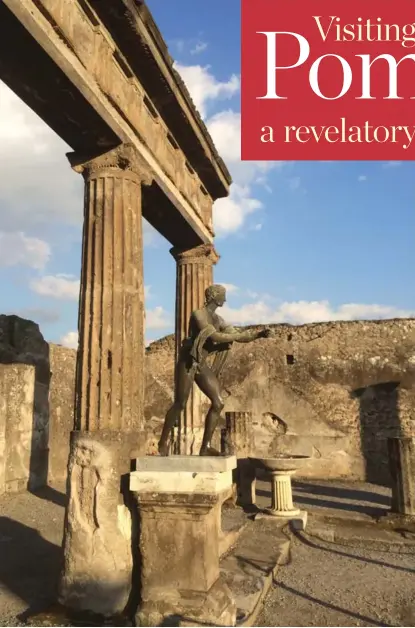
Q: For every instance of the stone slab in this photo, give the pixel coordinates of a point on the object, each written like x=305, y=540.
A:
x=180, y=482
x=194, y=464
x=250, y=567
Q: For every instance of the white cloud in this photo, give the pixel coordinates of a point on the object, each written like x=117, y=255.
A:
x=229, y=213
x=18, y=249
x=203, y=86
x=230, y=287
x=301, y=312
x=70, y=340
x=37, y=185
x=392, y=164
x=158, y=319
x=57, y=286
x=362, y=177
x=201, y=46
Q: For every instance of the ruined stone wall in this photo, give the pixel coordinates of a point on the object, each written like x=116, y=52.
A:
x=24, y=390
x=36, y=406
x=334, y=391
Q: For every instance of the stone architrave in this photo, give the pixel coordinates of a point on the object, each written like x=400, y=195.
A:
x=194, y=273
x=402, y=468
x=109, y=385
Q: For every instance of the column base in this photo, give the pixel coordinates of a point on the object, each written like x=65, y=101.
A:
x=98, y=560
x=216, y=607
x=283, y=514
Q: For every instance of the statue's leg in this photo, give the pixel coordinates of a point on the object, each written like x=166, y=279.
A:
x=183, y=386
x=209, y=385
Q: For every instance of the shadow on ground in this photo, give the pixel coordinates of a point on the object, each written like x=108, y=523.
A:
x=29, y=565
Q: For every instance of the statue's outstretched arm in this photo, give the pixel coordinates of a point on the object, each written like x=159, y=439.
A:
x=229, y=334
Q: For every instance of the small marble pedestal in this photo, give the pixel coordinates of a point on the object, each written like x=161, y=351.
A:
x=178, y=503
x=281, y=495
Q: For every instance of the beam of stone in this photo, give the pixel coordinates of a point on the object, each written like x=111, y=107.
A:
x=98, y=560
x=194, y=273
x=402, y=468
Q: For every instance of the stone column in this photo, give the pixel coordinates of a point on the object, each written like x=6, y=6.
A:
x=109, y=384
x=238, y=433
x=402, y=468
x=237, y=439
x=193, y=275
x=281, y=495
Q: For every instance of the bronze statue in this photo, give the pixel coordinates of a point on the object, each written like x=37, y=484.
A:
x=208, y=334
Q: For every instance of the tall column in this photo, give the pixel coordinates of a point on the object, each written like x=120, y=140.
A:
x=109, y=384
x=193, y=275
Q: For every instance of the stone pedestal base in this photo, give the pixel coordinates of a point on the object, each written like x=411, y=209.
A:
x=178, y=503
x=96, y=575
x=187, y=608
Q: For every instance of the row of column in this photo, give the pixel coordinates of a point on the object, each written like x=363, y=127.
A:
x=109, y=381
x=109, y=421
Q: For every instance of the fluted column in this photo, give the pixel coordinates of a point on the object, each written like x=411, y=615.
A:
x=238, y=433
x=281, y=495
x=194, y=274
x=110, y=382
x=98, y=561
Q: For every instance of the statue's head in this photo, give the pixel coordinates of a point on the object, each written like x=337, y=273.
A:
x=215, y=294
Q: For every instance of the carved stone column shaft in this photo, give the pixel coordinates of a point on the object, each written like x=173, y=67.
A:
x=110, y=382
x=193, y=275
x=96, y=574
x=402, y=467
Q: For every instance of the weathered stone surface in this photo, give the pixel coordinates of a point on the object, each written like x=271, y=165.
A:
x=402, y=467
x=194, y=273
x=17, y=387
x=238, y=434
x=216, y=607
x=181, y=481
x=110, y=386
x=104, y=95
x=350, y=387
x=98, y=557
x=179, y=543
x=196, y=464
x=21, y=343
x=61, y=409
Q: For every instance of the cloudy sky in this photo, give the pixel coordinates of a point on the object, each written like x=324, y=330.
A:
x=299, y=241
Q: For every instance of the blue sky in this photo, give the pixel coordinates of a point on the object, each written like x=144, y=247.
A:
x=299, y=242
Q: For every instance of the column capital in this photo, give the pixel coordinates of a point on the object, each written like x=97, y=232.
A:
x=202, y=254
x=124, y=158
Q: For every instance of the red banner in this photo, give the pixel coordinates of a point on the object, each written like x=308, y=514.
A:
x=326, y=80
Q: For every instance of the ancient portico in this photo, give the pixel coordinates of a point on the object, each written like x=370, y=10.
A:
x=99, y=74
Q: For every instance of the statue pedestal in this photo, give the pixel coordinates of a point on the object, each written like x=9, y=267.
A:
x=179, y=501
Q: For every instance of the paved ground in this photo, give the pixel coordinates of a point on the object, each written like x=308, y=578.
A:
x=340, y=499
x=328, y=585
x=30, y=538
x=324, y=585
x=332, y=585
